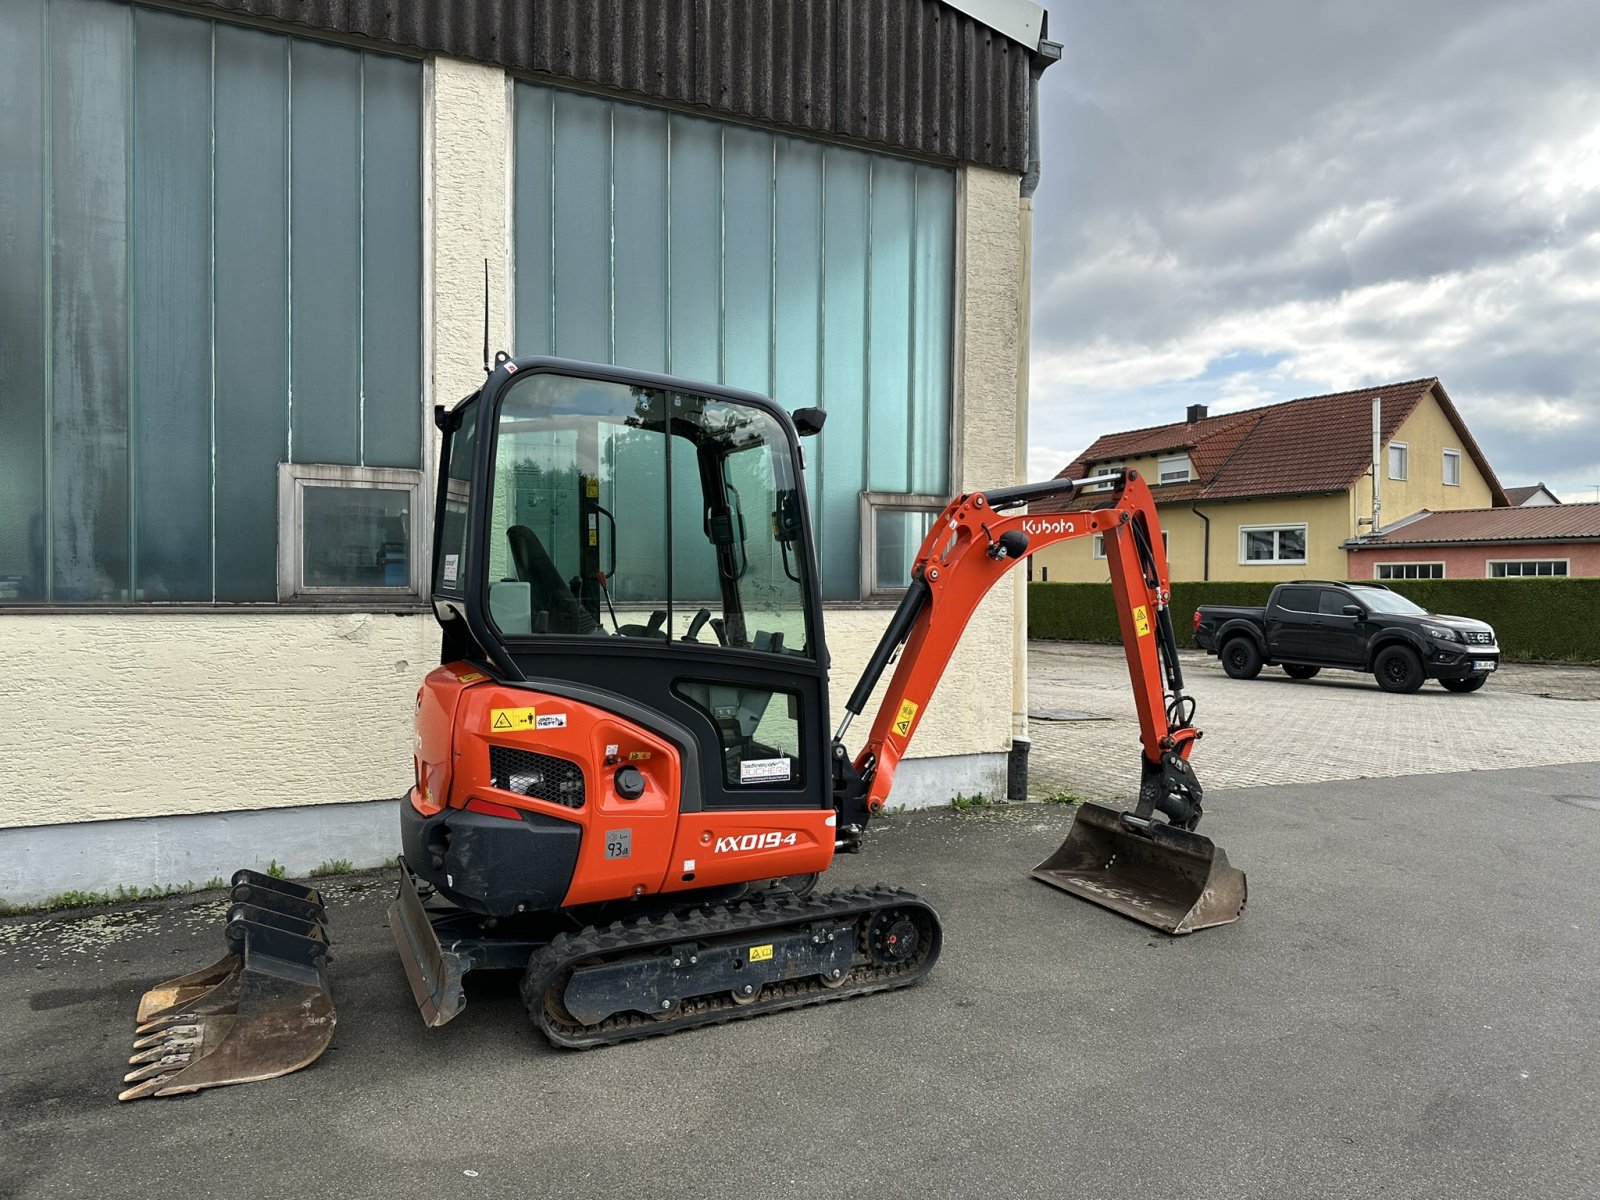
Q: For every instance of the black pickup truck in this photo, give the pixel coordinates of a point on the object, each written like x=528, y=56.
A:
x=1310, y=624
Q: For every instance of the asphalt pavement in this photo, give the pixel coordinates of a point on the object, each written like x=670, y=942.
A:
x=1409, y=1007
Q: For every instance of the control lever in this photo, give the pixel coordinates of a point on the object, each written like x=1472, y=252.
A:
x=696, y=625
x=720, y=628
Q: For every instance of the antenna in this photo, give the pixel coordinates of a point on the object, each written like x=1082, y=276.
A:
x=488, y=360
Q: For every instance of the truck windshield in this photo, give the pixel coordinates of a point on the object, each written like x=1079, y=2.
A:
x=628, y=511
x=1388, y=602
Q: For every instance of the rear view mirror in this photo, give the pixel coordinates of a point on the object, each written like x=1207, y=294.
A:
x=808, y=421
x=1354, y=610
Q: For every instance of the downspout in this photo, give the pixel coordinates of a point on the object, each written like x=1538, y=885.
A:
x=1205, y=569
x=1017, y=760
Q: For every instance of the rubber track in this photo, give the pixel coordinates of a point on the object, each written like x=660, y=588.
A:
x=548, y=967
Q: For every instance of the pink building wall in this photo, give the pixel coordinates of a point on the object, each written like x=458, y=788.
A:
x=1470, y=562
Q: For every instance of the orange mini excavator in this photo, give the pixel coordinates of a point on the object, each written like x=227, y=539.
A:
x=626, y=785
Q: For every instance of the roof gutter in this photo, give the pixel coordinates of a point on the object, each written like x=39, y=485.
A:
x=1047, y=53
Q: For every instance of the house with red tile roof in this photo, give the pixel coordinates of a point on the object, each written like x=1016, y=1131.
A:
x=1483, y=543
x=1277, y=492
x=1533, y=494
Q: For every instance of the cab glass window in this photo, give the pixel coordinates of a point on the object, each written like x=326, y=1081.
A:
x=626, y=511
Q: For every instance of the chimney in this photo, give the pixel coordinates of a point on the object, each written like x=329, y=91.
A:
x=1197, y=412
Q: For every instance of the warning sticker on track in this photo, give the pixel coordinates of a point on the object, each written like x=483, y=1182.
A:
x=507, y=720
x=761, y=953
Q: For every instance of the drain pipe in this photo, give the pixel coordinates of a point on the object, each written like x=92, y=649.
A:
x=1205, y=570
x=1017, y=760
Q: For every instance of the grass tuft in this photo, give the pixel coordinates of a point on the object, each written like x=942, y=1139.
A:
x=333, y=866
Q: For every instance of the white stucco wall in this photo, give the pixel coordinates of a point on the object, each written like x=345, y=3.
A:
x=154, y=714
x=170, y=716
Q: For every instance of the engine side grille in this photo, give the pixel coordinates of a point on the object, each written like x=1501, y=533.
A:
x=538, y=775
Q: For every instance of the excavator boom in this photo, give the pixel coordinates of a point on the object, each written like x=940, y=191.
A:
x=1158, y=872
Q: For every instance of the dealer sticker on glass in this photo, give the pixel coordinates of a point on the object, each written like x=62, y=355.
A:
x=764, y=770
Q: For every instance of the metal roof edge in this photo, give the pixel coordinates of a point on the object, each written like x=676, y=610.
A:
x=1022, y=21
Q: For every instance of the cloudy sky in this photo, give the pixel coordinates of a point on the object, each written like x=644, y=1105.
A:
x=1246, y=201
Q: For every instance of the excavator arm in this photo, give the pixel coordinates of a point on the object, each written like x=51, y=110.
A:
x=1159, y=872
x=975, y=542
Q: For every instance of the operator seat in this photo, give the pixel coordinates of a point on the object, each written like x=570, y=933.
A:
x=550, y=593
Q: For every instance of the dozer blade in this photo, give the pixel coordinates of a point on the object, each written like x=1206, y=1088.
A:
x=1167, y=877
x=262, y=1010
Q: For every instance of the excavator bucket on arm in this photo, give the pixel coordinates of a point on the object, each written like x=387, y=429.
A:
x=262, y=1010
x=1164, y=876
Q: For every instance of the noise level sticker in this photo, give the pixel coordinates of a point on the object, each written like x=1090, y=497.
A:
x=903, y=719
x=505, y=720
x=761, y=953
x=471, y=677
x=1141, y=621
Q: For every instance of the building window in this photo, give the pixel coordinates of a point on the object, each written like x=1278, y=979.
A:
x=1272, y=544
x=814, y=273
x=348, y=532
x=1174, y=470
x=1525, y=568
x=1452, y=468
x=1427, y=570
x=1399, y=455
x=1099, y=543
x=894, y=526
x=232, y=279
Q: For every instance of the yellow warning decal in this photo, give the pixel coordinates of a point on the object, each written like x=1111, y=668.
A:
x=506, y=720
x=761, y=953
x=1141, y=621
x=471, y=677
x=903, y=719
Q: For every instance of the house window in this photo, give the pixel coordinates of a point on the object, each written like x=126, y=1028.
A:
x=667, y=241
x=232, y=279
x=1272, y=544
x=1099, y=543
x=1525, y=568
x=1426, y=570
x=1399, y=455
x=1174, y=470
x=1452, y=468
x=346, y=533
x=894, y=527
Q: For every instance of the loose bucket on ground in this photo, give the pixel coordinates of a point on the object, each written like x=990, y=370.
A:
x=262, y=1010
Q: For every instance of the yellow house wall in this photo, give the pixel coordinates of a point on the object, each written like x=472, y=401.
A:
x=1326, y=517
x=1427, y=433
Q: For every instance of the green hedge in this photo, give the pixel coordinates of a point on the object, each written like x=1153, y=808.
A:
x=1553, y=620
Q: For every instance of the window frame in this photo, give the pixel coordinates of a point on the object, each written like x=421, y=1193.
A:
x=1489, y=565
x=1377, y=570
x=1097, y=546
x=1161, y=469
x=294, y=478
x=1405, y=461
x=1277, y=560
x=873, y=503
x=1444, y=463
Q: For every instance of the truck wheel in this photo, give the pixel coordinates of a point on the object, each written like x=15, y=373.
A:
x=1398, y=669
x=1241, y=659
x=1297, y=671
x=1470, y=684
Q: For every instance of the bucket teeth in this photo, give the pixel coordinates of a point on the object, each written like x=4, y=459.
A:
x=261, y=1011
x=172, y=1034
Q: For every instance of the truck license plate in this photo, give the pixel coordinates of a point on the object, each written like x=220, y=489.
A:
x=1483, y=666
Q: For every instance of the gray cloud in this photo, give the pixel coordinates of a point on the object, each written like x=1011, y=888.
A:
x=1248, y=200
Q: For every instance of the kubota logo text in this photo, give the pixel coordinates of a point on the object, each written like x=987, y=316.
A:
x=1057, y=526
x=754, y=841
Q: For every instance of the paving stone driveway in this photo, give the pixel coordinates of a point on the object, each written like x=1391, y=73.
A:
x=1275, y=730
